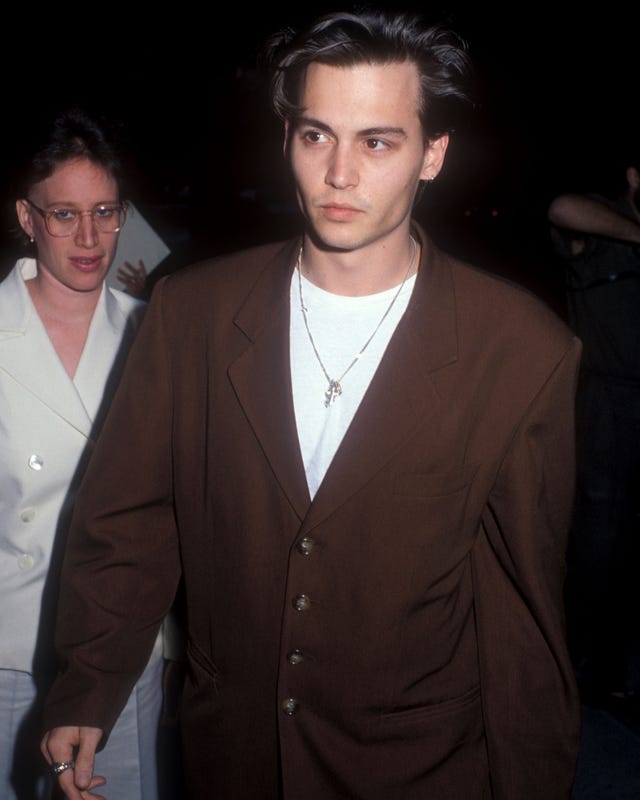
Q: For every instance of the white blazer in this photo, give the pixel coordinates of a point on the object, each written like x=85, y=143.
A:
x=48, y=424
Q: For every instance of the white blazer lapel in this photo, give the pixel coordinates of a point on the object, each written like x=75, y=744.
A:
x=24, y=341
x=105, y=337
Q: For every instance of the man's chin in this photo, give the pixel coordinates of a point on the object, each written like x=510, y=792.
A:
x=333, y=241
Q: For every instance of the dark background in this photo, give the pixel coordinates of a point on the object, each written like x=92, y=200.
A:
x=557, y=108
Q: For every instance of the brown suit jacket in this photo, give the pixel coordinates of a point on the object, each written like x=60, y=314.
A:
x=429, y=660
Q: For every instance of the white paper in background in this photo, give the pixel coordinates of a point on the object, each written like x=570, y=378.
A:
x=137, y=240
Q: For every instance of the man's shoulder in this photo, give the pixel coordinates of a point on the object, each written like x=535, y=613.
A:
x=228, y=269
x=491, y=301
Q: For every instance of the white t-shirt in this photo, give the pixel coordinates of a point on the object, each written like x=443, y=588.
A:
x=340, y=327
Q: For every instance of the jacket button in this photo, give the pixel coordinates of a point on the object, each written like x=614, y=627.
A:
x=305, y=546
x=295, y=657
x=36, y=462
x=301, y=602
x=289, y=706
x=28, y=514
x=25, y=562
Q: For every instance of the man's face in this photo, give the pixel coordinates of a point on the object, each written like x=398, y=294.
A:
x=358, y=152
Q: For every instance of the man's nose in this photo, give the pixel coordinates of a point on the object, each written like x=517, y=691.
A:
x=342, y=172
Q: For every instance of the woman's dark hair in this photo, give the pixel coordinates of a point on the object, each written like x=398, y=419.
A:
x=376, y=37
x=73, y=133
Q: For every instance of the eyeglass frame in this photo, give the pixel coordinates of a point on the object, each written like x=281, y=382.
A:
x=47, y=214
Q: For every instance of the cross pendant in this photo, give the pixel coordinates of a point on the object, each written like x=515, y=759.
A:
x=333, y=391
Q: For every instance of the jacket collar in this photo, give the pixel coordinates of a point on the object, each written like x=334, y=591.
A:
x=262, y=376
x=15, y=307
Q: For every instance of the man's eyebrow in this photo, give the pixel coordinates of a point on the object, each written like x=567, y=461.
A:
x=384, y=130
x=380, y=130
x=312, y=123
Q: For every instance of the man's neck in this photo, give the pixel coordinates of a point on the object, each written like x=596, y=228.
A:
x=363, y=271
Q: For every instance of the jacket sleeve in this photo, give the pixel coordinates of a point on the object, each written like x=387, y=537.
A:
x=529, y=696
x=121, y=565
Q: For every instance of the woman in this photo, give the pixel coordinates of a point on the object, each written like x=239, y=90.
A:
x=63, y=336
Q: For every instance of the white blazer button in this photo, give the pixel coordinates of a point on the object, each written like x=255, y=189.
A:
x=25, y=561
x=28, y=514
x=36, y=462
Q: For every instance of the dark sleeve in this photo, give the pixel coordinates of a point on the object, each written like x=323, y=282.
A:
x=529, y=695
x=121, y=566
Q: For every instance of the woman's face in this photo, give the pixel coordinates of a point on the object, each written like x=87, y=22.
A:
x=80, y=261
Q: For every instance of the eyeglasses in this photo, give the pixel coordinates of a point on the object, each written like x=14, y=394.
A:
x=64, y=221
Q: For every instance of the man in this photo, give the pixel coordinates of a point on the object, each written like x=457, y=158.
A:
x=357, y=452
x=597, y=237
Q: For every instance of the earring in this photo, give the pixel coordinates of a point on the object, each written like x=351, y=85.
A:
x=31, y=239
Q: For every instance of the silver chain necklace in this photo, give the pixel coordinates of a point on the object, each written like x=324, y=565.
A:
x=334, y=389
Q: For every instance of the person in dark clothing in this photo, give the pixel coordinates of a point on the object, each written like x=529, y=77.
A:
x=598, y=239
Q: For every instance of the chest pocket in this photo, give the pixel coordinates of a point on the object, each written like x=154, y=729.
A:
x=434, y=484
x=431, y=513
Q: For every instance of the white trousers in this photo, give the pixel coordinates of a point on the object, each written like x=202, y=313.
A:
x=128, y=761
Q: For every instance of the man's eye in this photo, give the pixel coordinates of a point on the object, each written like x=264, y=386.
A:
x=315, y=136
x=64, y=214
x=375, y=144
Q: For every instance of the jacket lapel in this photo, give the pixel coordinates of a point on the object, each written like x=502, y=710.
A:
x=24, y=342
x=104, y=340
x=261, y=376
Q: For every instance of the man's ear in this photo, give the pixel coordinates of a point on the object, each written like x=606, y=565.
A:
x=434, y=153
